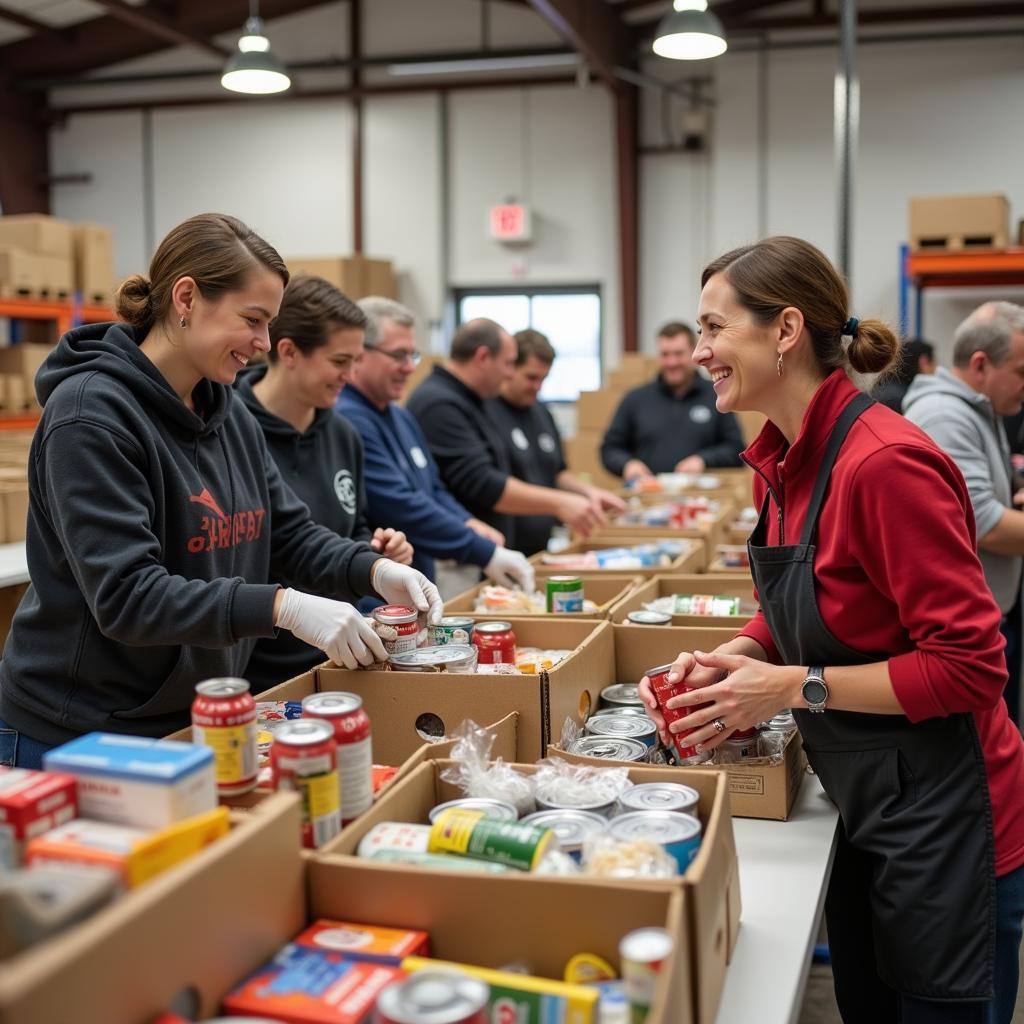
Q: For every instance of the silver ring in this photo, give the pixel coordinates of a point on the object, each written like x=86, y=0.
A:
x=718, y=724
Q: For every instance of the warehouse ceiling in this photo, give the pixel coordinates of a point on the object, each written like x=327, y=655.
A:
x=41, y=40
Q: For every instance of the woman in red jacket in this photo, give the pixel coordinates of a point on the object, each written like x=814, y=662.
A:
x=876, y=626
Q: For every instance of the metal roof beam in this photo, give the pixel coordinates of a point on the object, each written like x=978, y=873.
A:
x=594, y=30
x=154, y=22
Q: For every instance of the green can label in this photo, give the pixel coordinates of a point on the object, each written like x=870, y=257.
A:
x=564, y=594
x=473, y=834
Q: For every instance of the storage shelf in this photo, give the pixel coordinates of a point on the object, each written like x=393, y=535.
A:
x=66, y=313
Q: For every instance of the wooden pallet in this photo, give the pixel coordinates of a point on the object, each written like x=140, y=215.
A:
x=959, y=243
x=41, y=292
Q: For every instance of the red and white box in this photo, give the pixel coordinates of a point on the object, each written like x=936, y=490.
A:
x=31, y=803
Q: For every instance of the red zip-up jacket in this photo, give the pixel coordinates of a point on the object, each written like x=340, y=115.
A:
x=897, y=576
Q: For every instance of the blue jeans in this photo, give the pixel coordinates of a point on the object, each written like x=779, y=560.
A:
x=20, y=751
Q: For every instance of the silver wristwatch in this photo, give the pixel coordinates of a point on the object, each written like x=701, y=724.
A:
x=814, y=690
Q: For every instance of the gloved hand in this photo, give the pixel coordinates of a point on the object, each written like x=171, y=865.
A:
x=335, y=627
x=400, y=584
x=510, y=568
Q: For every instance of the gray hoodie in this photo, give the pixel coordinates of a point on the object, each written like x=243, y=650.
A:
x=963, y=424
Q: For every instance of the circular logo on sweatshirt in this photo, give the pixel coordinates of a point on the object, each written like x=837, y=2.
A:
x=519, y=440
x=546, y=442
x=700, y=414
x=417, y=456
x=345, y=489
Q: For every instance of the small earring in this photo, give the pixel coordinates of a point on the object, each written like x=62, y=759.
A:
x=184, y=322
x=778, y=365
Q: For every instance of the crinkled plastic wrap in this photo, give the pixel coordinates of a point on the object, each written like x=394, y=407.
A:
x=607, y=857
x=560, y=784
x=478, y=776
x=571, y=732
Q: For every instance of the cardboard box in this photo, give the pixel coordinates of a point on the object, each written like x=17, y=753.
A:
x=94, y=262
x=24, y=361
x=356, y=276
x=583, y=457
x=734, y=584
x=56, y=276
x=38, y=233
x=19, y=271
x=706, y=882
x=202, y=925
x=690, y=561
x=595, y=409
x=605, y=589
x=13, y=511
x=960, y=222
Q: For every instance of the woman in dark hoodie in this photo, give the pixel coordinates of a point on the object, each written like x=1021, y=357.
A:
x=158, y=523
x=314, y=340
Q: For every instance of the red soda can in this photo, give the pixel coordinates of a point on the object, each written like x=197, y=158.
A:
x=404, y=620
x=355, y=756
x=304, y=759
x=495, y=643
x=224, y=719
x=434, y=997
x=663, y=692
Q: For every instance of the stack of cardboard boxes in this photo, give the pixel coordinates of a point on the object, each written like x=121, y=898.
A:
x=957, y=223
x=356, y=276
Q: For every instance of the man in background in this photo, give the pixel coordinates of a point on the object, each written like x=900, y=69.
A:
x=671, y=425
x=962, y=410
x=401, y=478
x=467, y=443
x=532, y=441
x=916, y=356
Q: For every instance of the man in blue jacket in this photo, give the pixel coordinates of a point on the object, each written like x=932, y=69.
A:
x=403, y=485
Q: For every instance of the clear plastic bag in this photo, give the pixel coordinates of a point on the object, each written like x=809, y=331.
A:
x=558, y=784
x=607, y=857
x=478, y=776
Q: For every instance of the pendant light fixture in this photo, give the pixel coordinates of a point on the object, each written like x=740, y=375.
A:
x=254, y=69
x=690, y=32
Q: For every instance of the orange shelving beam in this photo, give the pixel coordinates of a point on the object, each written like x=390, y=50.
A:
x=64, y=312
x=982, y=267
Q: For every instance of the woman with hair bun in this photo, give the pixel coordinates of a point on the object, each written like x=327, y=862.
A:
x=876, y=627
x=158, y=522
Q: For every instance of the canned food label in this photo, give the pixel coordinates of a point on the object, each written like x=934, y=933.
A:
x=355, y=778
x=566, y=603
x=234, y=750
x=321, y=814
x=472, y=834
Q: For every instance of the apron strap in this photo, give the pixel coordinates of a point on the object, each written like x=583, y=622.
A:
x=842, y=427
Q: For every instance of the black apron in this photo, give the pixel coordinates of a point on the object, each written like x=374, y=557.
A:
x=913, y=798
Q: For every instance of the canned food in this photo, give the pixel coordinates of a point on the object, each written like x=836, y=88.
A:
x=663, y=692
x=678, y=834
x=643, y=954
x=397, y=836
x=564, y=594
x=609, y=748
x=434, y=997
x=495, y=643
x=621, y=694
x=630, y=726
x=660, y=796
x=625, y=711
x=736, y=749
x=355, y=753
x=452, y=629
x=224, y=719
x=555, y=797
x=649, y=618
x=404, y=621
x=497, y=809
x=449, y=658
x=782, y=722
x=304, y=758
x=571, y=827
x=473, y=834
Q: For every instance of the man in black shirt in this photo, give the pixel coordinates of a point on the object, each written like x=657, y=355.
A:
x=671, y=425
x=468, y=446
x=532, y=441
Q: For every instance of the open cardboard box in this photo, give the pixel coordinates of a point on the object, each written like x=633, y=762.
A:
x=708, y=533
x=730, y=584
x=203, y=924
x=711, y=882
x=692, y=559
x=604, y=589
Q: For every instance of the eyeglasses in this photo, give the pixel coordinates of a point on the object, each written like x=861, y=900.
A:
x=400, y=356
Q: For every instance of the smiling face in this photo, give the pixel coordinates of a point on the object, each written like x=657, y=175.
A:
x=675, y=360
x=383, y=371
x=318, y=376
x=738, y=353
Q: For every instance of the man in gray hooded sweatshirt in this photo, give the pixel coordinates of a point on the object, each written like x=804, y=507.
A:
x=962, y=410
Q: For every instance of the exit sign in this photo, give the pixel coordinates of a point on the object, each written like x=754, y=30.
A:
x=510, y=222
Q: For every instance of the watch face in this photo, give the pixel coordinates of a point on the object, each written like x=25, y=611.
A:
x=814, y=691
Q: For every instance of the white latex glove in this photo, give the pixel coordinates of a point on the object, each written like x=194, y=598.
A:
x=335, y=627
x=510, y=568
x=401, y=584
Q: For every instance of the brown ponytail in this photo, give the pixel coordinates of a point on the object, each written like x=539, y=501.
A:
x=135, y=302
x=874, y=347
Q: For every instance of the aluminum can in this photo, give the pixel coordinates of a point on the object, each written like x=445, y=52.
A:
x=663, y=691
x=472, y=834
x=452, y=629
x=404, y=620
x=224, y=719
x=394, y=836
x=609, y=748
x=495, y=643
x=304, y=758
x=355, y=750
x=571, y=827
x=678, y=834
x=552, y=797
x=625, y=711
x=621, y=695
x=643, y=954
x=630, y=726
x=434, y=997
x=497, y=809
x=564, y=594
x=449, y=658
x=643, y=617
x=660, y=796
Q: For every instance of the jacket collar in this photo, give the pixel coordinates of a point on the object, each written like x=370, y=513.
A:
x=695, y=382
x=450, y=381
